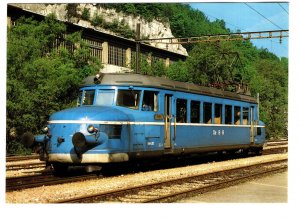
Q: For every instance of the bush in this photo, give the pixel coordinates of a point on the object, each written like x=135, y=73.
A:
x=97, y=20
x=86, y=14
x=41, y=80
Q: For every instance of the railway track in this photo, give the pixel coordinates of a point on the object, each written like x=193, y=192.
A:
x=278, y=142
x=26, y=166
x=273, y=148
x=174, y=189
x=45, y=179
x=21, y=158
x=24, y=182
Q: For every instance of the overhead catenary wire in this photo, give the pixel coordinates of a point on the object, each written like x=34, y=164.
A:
x=283, y=8
x=242, y=29
x=238, y=28
x=263, y=16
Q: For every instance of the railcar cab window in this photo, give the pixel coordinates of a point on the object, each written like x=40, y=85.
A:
x=129, y=99
x=105, y=97
x=181, y=109
x=88, y=97
x=79, y=98
x=150, y=101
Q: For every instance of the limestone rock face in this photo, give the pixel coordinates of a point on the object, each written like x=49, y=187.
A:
x=153, y=29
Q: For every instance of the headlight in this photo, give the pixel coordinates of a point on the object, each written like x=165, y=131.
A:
x=91, y=129
x=45, y=129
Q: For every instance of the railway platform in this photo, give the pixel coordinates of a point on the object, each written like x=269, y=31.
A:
x=269, y=189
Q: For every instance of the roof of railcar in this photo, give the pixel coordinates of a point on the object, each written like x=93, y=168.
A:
x=127, y=79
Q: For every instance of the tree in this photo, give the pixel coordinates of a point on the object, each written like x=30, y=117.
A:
x=42, y=78
x=271, y=82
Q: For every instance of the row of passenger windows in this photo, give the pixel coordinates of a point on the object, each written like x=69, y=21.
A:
x=232, y=113
x=131, y=99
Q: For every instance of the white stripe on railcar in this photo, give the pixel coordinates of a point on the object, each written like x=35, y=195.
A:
x=141, y=123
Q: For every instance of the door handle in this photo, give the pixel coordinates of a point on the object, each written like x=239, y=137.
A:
x=175, y=128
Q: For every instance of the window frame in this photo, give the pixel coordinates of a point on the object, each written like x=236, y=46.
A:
x=199, y=111
x=83, y=97
x=220, y=112
x=99, y=91
x=178, y=117
x=155, y=101
x=245, y=116
x=138, y=105
x=204, y=112
x=228, y=113
x=240, y=115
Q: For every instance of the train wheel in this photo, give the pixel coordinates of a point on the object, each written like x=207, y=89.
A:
x=60, y=168
x=258, y=151
x=245, y=152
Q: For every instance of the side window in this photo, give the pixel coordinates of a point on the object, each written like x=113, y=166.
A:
x=181, y=109
x=195, y=112
x=245, y=115
x=79, y=98
x=237, y=115
x=218, y=114
x=105, y=97
x=150, y=101
x=259, y=131
x=228, y=114
x=88, y=97
x=128, y=98
x=207, y=112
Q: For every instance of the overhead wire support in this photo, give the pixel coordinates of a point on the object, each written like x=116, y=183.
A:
x=222, y=37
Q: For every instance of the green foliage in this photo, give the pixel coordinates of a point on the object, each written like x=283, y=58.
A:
x=40, y=79
x=119, y=28
x=97, y=20
x=71, y=10
x=271, y=82
x=184, y=21
x=178, y=71
x=86, y=14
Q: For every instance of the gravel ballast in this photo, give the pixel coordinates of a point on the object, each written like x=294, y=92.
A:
x=47, y=194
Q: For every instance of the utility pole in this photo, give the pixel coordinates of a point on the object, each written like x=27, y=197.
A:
x=138, y=48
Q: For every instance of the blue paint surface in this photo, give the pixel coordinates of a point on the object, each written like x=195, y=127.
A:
x=137, y=131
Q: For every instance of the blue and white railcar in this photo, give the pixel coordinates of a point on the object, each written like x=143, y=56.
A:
x=121, y=117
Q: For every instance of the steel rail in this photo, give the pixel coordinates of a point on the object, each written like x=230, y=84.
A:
x=275, y=143
x=21, y=158
x=215, y=186
x=25, y=166
x=18, y=183
x=93, y=197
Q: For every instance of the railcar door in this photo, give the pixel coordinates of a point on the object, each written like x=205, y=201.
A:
x=252, y=133
x=167, y=120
